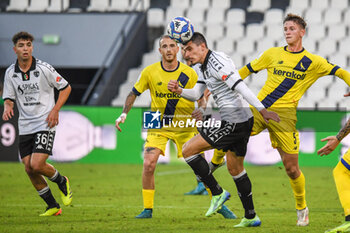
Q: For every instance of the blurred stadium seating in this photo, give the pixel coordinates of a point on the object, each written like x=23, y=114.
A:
x=241, y=28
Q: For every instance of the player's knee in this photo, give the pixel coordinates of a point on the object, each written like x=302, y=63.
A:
x=149, y=166
x=293, y=171
x=28, y=169
x=36, y=167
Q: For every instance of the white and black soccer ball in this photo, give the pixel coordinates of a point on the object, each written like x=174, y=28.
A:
x=180, y=29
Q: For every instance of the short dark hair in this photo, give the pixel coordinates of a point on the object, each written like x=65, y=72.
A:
x=198, y=39
x=296, y=19
x=23, y=36
x=162, y=37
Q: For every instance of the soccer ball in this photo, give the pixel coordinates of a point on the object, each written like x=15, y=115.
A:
x=180, y=29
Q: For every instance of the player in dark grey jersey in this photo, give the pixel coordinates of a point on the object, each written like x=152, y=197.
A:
x=218, y=73
x=30, y=84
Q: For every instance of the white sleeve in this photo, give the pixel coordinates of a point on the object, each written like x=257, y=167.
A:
x=8, y=89
x=249, y=96
x=230, y=75
x=195, y=93
x=53, y=77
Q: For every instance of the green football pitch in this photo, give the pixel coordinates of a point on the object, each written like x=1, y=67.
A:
x=108, y=196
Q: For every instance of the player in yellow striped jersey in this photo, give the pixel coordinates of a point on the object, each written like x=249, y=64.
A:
x=291, y=70
x=172, y=107
x=341, y=174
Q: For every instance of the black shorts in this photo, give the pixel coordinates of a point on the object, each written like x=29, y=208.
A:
x=230, y=136
x=39, y=142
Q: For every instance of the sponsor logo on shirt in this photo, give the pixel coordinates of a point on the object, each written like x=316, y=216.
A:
x=288, y=74
x=28, y=88
x=224, y=77
x=167, y=95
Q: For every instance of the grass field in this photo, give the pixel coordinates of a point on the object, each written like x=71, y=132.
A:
x=107, y=197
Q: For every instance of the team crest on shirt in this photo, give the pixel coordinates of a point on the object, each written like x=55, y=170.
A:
x=303, y=64
x=36, y=73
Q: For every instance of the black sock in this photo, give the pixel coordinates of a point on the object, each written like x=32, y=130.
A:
x=60, y=181
x=347, y=218
x=244, y=188
x=46, y=195
x=201, y=168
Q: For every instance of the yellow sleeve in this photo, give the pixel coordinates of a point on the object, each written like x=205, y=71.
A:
x=343, y=74
x=325, y=68
x=261, y=63
x=142, y=84
x=244, y=72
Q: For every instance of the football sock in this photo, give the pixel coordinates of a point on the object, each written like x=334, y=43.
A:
x=244, y=189
x=46, y=195
x=201, y=168
x=342, y=177
x=57, y=178
x=60, y=181
x=298, y=186
x=148, y=198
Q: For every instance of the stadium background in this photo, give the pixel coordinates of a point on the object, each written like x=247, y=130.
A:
x=101, y=46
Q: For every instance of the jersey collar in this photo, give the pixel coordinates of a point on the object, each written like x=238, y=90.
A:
x=204, y=65
x=32, y=67
x=161, y=64
x=285, y=49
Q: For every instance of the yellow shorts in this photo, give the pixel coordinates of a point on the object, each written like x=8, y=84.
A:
x=159, y=139
x=283, y=135
x=346, y=157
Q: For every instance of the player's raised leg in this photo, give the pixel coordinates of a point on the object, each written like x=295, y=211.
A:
x=191, y=153
x=39, y=182
x=38, y=162
x=297, y=181
x=151, y=156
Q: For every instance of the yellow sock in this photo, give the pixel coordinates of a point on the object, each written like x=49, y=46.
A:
x=209, y=192
x=148, y=198
x=298, y=186
x=342, y=180
x=218, y=157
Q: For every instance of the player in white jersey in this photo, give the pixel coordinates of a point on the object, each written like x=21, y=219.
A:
x=220, y=76
x=30, y=84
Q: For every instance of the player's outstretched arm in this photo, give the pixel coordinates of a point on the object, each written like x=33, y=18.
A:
x=129, y=102
x=8, y=110
x=333, y=141
x=52, y=118
x=191, y=94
